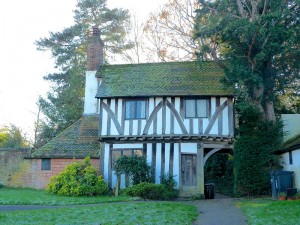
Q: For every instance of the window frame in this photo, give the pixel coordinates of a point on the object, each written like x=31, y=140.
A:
x=46, y=164
x=207, y=100
x=135, y=109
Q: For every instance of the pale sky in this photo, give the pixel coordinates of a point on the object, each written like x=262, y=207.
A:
x=22, y=66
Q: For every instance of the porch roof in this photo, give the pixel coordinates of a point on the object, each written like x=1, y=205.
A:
x=77, y=141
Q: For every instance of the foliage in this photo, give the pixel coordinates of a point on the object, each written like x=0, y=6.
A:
x=151, y=191
x=125, y=213
x=78, y=179
x=253, y=152
x=219, y=170
x=257, y=44
x=269, y=212
x=12, y=137
x=135, y=166
x=64, y=103
x=28, y=196
x=261, y=41
x=164, y=191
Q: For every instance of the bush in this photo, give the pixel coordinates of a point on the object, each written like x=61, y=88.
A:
x=78, y=179
x=134, y=166
x=164, y=191
x=254, y=157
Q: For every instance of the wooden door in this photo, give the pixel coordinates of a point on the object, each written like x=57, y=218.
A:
x=188, y=170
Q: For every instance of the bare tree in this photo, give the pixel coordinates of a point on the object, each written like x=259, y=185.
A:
x=169, y=31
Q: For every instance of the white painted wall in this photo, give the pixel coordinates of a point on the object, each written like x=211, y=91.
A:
x=91, y=87
x=294, y=167
x=152, y=103
x=291, y=124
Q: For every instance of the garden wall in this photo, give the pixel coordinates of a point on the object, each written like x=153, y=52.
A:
x=10, y=162
x=17, y=170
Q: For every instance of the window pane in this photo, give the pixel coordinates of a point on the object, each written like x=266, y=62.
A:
x=127, y=152
x=190, y=108
x=115, y=156
x=141, y=109
x=129, y=111
x=46, y=164
x=202, y=108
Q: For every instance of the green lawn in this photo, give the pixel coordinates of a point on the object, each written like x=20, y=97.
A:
x=128, y=211
x=109, y=213
x=270, y=212
x=26, y=196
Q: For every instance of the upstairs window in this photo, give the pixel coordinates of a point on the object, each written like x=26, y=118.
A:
x=196, y=108
x=135, y=109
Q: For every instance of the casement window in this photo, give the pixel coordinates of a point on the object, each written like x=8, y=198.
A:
x=135, y=109
x=117, y=153
x=46, y=164
x=196, y=108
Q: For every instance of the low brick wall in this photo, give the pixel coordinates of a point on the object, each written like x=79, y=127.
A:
x=10, y=163
x=18, y=171
x=31, y=174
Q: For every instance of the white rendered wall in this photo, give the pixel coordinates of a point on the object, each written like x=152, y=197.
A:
x=91, y=87
x=294, y=167
x=291, y=124
x=158, y=126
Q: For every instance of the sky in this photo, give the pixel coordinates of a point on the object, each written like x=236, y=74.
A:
x=22, y=67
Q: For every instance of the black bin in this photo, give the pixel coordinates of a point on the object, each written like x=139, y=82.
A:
x=209, y=191
x=280, y=181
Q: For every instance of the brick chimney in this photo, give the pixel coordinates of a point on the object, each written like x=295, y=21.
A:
x=94, y=50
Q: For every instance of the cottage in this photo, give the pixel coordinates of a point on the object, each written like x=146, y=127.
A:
x=176, y=114
x=290, y=153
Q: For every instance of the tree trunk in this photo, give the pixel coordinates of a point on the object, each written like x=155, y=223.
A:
x=269, y=111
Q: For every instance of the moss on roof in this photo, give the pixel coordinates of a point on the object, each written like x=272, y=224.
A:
x=162, y=79
x=77, y=141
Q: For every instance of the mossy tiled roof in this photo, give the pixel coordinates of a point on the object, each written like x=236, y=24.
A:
x=77, y=141
x=162, y=79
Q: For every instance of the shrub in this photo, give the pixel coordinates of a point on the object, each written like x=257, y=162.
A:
x=134, y=166
x=164, y=191
x=254, y=157
x=78, y=179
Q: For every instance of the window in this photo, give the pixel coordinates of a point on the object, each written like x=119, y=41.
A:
x=46, y=164
x=196, y=108
x=291, y=158
x=117, y=153
x=135, y=109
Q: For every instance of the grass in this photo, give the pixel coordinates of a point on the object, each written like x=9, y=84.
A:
x=128, y=212
x=26, y=196
x=269, y=212
x=110, y=213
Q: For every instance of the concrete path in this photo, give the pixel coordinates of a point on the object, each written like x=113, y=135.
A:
x=219, y=211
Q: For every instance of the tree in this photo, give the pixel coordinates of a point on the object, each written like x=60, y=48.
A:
x=12, y=137
x=257, y=44
x=169, y=31
x=261, y=40
x=64, y=103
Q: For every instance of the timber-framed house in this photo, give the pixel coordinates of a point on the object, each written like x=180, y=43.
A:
x=176, y=114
